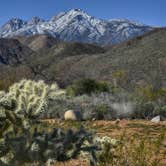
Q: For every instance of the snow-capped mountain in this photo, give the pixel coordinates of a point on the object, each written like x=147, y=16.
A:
x=76, y=25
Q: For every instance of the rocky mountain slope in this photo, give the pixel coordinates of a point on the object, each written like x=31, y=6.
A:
x=141, y=60
x=27, y=57
x=37, y=42
x=76, y=25
x=12, y=52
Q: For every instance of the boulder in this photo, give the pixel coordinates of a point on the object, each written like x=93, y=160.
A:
x=156, y=119
x=117, y=121
x=72, y=115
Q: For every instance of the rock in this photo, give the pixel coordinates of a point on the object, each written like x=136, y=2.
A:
x=72, y=115
x=156, y=119
x=50, y=162
x=117, y=121
x=93, y=119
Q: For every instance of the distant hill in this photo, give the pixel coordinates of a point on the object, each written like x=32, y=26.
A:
x=139, y=61
x=47, y=59
x=143, y=60
x=24, y=57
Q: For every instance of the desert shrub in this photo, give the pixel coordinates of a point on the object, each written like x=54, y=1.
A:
x=97, y=106
x=100, y=112
x=144, y=110
x=163, y=111
x=87, y=86
x=149, y=101
x=149, y=93
x=120, y=78
x=10, y=75
x=148, y=110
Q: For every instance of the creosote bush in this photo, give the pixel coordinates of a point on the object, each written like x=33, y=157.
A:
x=87, y=86
x=150, y=102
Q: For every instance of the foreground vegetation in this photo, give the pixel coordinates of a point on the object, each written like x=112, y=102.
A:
x=140, y=143
x=28, y=135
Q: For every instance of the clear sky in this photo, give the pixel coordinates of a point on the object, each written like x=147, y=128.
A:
x=152, y=12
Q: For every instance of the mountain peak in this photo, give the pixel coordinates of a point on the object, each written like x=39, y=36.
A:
x=68, y=15
x=15, y=21
x=12, y=25
x=77, y=10
x=35, y=20
x=76, y=26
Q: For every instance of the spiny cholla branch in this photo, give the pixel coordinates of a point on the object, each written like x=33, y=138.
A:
x=29, y=98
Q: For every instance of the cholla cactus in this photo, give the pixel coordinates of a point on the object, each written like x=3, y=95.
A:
x=25, y=100
x=31, y=98
x=105, y=140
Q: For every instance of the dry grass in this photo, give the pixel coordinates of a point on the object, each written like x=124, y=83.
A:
x=73, y=162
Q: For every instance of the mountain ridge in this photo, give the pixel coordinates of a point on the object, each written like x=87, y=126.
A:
x=76, y=26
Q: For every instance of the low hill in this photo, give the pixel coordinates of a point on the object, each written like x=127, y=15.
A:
x=139, y=61
x=43, y=61
x=28, y=57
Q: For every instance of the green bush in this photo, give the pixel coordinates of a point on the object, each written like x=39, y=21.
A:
x=87, y=86
x=100, y=112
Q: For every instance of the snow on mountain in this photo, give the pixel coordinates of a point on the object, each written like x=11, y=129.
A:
x=76, y=25
x=11, y=26
x=35, y=20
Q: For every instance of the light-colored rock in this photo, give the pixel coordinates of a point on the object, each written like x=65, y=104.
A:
x=72, y=115
x=93, y=119
x=117, y=121
x=50, y=162
x=156, y=119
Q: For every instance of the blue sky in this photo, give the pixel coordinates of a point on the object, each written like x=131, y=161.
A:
x=152, y=12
